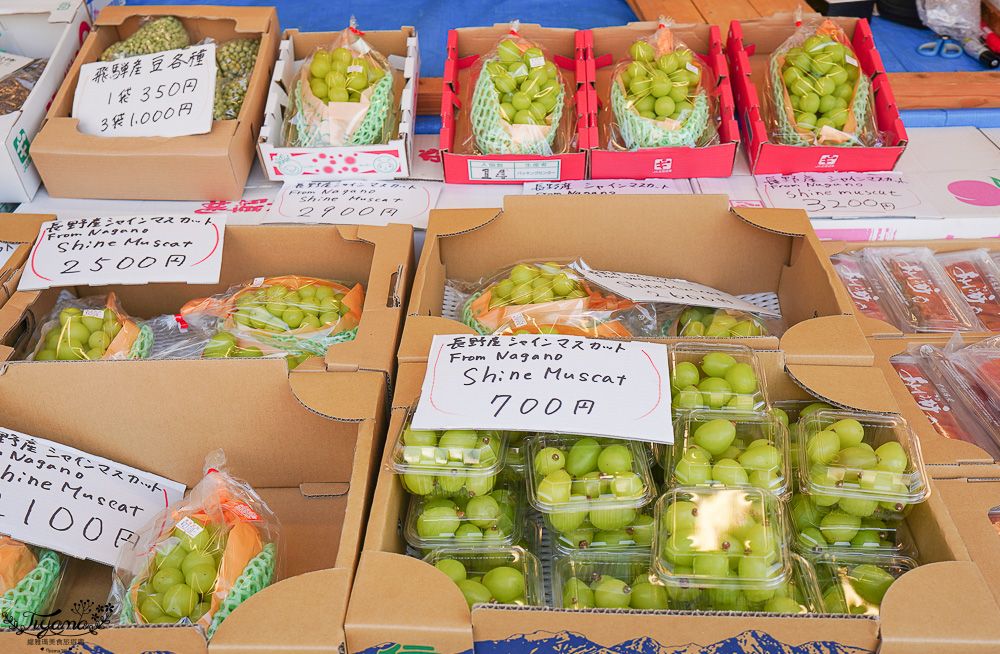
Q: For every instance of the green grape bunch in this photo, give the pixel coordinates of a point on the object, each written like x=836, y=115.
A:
x=527, y=84
x=661, y=87
x=719, y=382
x=341, y=76
x=820, y=79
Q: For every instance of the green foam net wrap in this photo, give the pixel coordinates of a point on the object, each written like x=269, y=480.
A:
x=639, y=132
x=488, y=124
x=258, y=575
x=311, y=134
x=29, y=597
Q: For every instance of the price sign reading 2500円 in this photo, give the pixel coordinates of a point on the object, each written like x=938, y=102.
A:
x=163, y=94
x=550, y=383
x=126, y=250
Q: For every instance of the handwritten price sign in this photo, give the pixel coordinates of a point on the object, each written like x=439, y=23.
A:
x=126, y=250
x=846, y=195
x=164, y=94
x=549, y=384
x=74, y=502
x=355, y=203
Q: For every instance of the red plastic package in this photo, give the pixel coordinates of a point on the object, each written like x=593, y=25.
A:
x=919, y=294
x=860, y=286
x=977, y=277
x=935, y=401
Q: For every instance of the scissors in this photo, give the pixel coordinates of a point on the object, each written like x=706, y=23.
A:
x=943, y=46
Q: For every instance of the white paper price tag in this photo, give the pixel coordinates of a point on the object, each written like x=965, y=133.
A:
x=846, y=195
x=609, y=187
x=646, y=288
x=126, y=250
x=10, y=63
x=355, y=203
x=163, y=94
x=563, y=384
x=74, y=502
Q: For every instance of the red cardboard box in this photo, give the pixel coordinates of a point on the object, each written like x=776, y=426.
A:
x=464, y=46
x=750, y=44
x=609, y=45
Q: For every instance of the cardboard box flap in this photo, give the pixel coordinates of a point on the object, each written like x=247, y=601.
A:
x=852, y=388
x=420, y=331
x=786, y=221
x=880, y=329
x=830, y=340
x=23, y=227
x=393, y=252
x=418, y=599
x=452, y=222
x=308, y=607
x=969, y=502
x=248, y=19
x=945, y=594
x=261, y=404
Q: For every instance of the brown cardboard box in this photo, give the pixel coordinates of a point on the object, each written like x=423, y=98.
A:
x=693, y=237
x=379, y=258
x=165, y=417
x=211, y=166
x=943, y=606
x=20, y=229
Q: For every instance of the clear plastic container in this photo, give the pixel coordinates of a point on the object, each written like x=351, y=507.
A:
x=855, y=584
x=977, y=278
x=920, y=295
x=448, y=463
x=464, y=521
x=604, y=580
x=516, y=463
x=720, y=377
x=480, y=583
x=576, y=478
x=860, y=465
x=718, y=449
x=637, y=536
x=800, y=594
x=721, y=538
x=820, y=530
x=795, y=410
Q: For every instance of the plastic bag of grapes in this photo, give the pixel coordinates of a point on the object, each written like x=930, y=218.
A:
x=290, y=314
x=343, y=96
x=550, y=298
x=816, y=93
x=201, y=557
x=519, y=100
x=29, y=582
x=660, y=96
x=91, y=328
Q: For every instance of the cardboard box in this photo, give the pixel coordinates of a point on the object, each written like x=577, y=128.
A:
x=391, y=160
x=943, y=606
x=379, y=258
x=465, y=45
x=211, y=166
x=48, y=29
x=19, y=232
x=610, y=46
x=166, y=418
x=694, y=237
x=749, y=47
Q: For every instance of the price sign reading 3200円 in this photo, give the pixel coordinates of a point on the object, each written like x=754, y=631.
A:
x=550, y=383
x=126, y=250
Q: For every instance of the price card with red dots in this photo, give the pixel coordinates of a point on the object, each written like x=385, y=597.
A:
x=378, y=162
x=355, y=202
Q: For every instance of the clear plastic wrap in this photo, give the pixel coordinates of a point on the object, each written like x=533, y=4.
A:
x=343, y=95
x=620, y=580
x=519, y=103
x=820, y=529
x=16, y=86
x=29, y=582
x=297, y=316
x=550, y=298
x=201, y=557
x=661, y=96
x=856, y=583
x=492, y=575
x=235, y=61
x=154, y=35
x=90, y=328
x=864, y=289
x=920, y=296
x=695, y=322
x=977, y=278
x=815, y=92
x=720, y=377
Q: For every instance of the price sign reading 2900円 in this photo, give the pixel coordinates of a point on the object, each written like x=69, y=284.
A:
x=551, y=383
x=126, y=250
